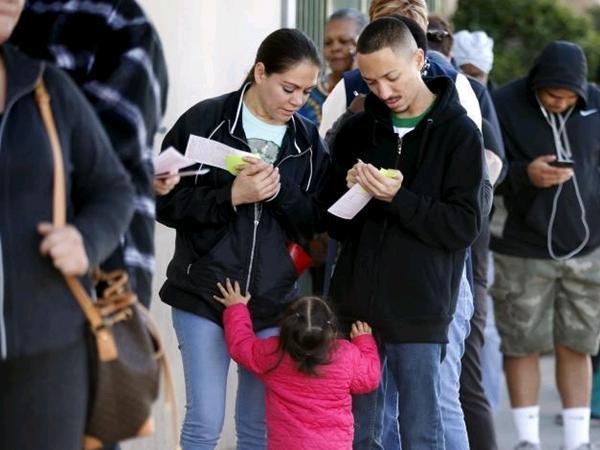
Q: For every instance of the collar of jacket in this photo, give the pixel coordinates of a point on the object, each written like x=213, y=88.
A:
x=446, y=106
x=22, y=72
x=232, y=113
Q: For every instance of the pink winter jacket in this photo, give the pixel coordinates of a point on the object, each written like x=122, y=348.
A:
x=305, y=412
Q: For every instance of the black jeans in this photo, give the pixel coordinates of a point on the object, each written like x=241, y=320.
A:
x=43, y=400
x=476, y=407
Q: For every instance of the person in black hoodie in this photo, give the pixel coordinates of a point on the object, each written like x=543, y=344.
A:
x=241, y=227
x=403, y=255
x=546, y=234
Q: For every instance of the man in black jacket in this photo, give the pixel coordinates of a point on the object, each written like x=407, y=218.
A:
x=403, y=254
x=546, y=236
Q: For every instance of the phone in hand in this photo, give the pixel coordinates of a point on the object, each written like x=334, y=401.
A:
x=562, y=164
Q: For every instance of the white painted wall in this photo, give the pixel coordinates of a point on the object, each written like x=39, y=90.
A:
x=209, y=45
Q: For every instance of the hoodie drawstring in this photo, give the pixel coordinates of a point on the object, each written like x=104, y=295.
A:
x=562, y=145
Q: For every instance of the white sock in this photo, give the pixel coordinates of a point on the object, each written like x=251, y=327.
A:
x=527, y=422
x=576, y=424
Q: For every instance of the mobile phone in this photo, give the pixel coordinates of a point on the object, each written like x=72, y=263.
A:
x=562, y=164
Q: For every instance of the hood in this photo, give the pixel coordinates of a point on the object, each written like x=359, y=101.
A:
x=446, y=106
x=22, y=72
x=561, y=65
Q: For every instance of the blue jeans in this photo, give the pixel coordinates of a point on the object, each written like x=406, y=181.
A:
x=415, y=368
x=205, y=366
x=455, y=432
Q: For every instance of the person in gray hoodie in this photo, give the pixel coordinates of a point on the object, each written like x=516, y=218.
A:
x=546, y=238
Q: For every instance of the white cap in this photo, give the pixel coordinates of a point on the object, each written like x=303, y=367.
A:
x=475, y=48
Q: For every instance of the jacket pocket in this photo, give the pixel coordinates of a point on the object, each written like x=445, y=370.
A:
x=417, y=281
x=223, y=260
x=273, y=279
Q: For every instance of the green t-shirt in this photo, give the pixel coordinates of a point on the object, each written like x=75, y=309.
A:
x=403, y=126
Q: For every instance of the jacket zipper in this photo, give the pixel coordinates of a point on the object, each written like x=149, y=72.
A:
x=3, y=337
x=257, y=215
x=256, y=220
x=257, y=211
x=383, y=230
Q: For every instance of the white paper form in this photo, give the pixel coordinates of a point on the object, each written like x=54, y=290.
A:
x=350, y=204
x=170, y=161
x=211, y=153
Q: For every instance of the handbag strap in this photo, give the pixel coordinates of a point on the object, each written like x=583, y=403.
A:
x=107, y=349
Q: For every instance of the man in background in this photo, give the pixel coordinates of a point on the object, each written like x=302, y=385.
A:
x=546, y=239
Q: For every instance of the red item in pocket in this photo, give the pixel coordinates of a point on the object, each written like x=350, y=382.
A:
x=300, y=258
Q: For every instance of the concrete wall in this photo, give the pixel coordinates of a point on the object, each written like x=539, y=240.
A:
x=209, y=46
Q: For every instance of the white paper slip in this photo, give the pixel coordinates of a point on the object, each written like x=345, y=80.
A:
x=350, y=204
x=212, y=153
x=170, y=160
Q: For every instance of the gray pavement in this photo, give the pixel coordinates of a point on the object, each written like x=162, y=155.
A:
x=163, y=440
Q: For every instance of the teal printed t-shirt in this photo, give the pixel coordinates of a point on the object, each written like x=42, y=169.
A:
x=263, y=138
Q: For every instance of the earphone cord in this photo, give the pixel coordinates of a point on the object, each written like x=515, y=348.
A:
x=563, y=151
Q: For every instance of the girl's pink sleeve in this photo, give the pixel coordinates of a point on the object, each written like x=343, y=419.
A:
x=243, y=345
x=367, y=366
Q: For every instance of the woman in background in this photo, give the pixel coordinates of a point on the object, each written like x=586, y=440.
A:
x=339, y=49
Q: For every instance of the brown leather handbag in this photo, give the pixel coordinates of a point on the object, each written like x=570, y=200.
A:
x=126, y=350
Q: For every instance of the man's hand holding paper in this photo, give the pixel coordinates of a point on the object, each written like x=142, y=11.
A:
x=364, y=183
x=381, y=184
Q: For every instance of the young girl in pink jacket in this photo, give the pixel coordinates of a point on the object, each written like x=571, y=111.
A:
x=308, y=373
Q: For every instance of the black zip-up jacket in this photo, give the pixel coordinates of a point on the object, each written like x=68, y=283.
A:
x=37, y=311
x=401, y=262
x=527, y=135
x=215, y=242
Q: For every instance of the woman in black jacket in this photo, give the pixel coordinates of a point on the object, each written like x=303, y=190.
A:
x=43, y=356
x=240, y=227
